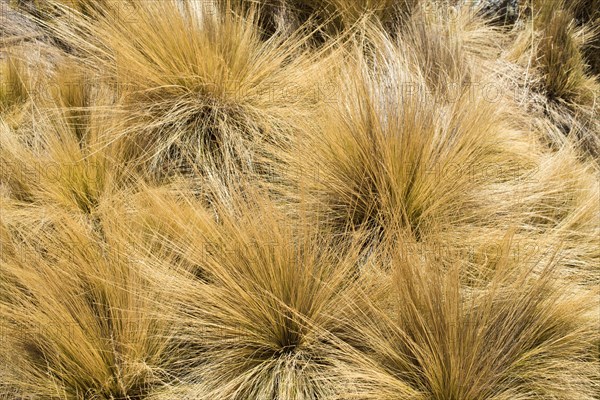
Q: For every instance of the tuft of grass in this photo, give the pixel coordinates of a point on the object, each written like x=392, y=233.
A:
x=78, y=311
x=64, y=159
x=561, y=58
x=374, y=164
x=519, y=336
x=560, y=53
x=199, y=87
x=454, y=180
x=552, y=43
x=585, y=17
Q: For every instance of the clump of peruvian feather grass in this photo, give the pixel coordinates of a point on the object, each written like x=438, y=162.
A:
x=198, y=87
x=556, y=40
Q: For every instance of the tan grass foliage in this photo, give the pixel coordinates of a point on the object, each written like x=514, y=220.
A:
x=299, y=200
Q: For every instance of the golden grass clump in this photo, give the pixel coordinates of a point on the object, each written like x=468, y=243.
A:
x=55, y=164
x=561, y=46
x=557, y=40
x=299, y=200
x=453, y=179
x=77, y=310
x=268, y=307
x=198, y=87
x=514, y=338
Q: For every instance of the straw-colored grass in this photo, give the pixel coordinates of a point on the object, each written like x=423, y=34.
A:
x=299, y=200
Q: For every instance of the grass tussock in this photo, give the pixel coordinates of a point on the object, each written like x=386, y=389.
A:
x=558, y=40
x=299, y=200
x=199, y=87
x=490, y=343
x=78, y=311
